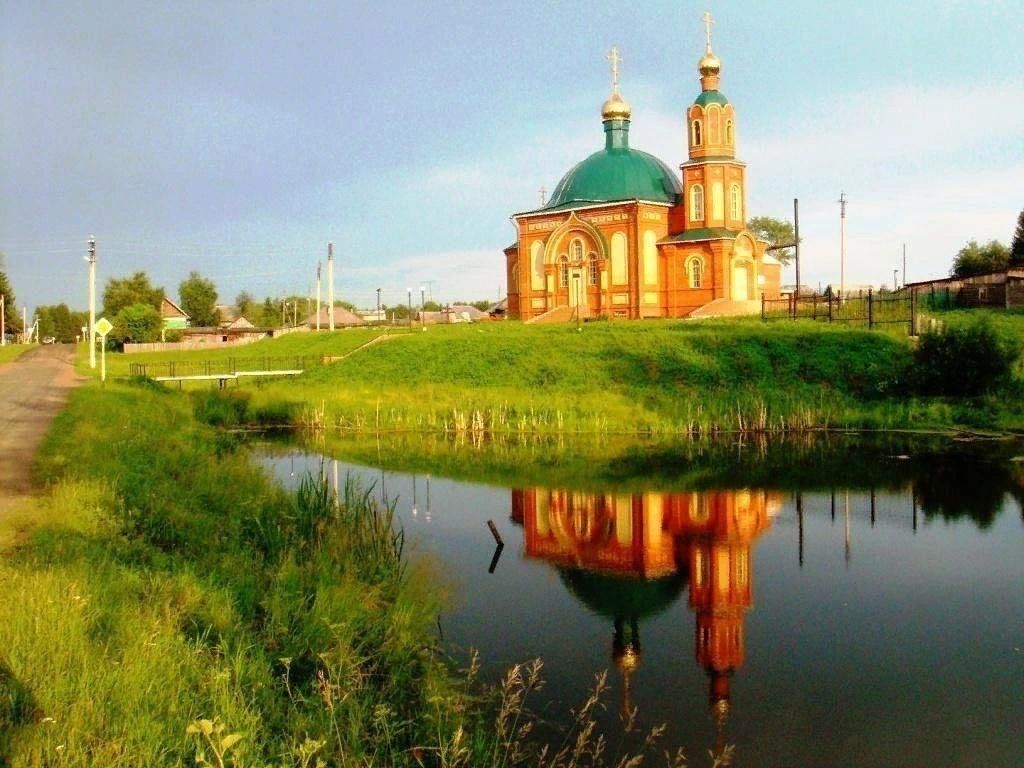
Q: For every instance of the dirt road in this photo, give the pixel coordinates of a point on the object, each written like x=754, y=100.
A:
x=33, y=389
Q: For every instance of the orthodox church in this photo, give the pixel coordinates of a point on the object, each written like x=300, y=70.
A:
x=623, y=235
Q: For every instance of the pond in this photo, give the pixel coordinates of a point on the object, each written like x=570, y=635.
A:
x=850, y=604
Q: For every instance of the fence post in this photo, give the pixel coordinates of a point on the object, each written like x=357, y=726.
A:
x=764, y=312
x=814, y=305
x=829, y=297
x=871, y=319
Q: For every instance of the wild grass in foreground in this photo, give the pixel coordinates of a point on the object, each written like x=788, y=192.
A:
x=9, y=352
x=166, y=604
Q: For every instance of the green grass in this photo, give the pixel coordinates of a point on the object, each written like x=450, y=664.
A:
x=250, y=356
x=9, y=352
x=662, y=378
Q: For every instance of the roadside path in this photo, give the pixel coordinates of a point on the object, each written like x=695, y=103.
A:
x=33, y=389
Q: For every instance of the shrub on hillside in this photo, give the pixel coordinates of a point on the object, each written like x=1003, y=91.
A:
x=963, y=361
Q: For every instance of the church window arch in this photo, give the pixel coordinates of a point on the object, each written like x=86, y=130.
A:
x=515, y=278
x=735, y=203
x=563, y=271
x=729, y=137
x=619, y=253
x=695, y=271
x=695, y=133
x=714, y=124
x=576, y=251
x=537, y=265
x=697, y=203
x=592, y=261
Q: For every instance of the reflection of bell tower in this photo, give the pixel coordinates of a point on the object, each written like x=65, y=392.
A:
x=626, y=655
x=720, y=590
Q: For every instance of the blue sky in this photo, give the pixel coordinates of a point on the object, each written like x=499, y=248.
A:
x=237, y=138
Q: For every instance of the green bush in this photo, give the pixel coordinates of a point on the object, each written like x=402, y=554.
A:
x=963, y=360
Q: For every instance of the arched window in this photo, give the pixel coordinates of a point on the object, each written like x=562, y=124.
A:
x=696, y=137
x=576, y=251
x=514, y=288
x=735, y=203
x=728, y=132
x=593, y=268
x=563, y=271
x=696, y=203
x=695, y=271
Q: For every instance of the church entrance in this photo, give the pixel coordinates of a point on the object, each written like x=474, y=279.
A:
x=740, y=284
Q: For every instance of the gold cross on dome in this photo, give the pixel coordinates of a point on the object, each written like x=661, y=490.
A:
x=614, y=58
x=708, y=21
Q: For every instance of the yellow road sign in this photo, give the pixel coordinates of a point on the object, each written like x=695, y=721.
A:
x=103, y=326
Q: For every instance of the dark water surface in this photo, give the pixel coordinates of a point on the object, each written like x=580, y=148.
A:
x=865, y=612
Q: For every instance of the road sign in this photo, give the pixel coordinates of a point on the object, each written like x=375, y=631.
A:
x=104, y=326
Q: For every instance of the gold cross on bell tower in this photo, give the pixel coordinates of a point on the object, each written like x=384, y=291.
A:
x=708, y=21
x=614, y=58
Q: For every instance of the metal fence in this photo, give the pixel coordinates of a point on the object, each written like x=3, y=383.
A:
x=224, y=365
x=868, y=309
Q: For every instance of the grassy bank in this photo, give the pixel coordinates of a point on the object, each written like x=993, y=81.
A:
x=657, y=378
x=170, y=583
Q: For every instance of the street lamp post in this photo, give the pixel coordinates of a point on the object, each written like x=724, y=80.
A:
x=409, y=290
x=91, y=258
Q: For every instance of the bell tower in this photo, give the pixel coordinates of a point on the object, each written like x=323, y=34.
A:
x=714, y=183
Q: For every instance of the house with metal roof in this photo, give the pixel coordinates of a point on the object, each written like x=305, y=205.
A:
x=624, y=235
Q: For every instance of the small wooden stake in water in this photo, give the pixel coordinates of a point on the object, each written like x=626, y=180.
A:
x=495, y=534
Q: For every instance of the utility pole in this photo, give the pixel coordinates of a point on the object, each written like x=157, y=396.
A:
x=3, y=329
x=91, y=258
x=430, y=289
x=378, y=305
x=330, y=286
x=318, y=295
x=796, y=237
x=423, y=314
x=842, y=246
x=25, y=333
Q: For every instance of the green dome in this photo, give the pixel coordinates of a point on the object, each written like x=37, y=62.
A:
x=616, y=173
x=711, y=97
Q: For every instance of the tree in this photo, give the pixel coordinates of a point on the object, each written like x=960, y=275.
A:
x=137, y=323
x=199, y=300
x=12, y=323
x=974, y=259
x=1017, y=248
x=246, y=306
x=124, y=292
x=60, y=322
x=776, y=232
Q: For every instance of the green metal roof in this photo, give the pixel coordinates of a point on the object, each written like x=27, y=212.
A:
x=704, y=233
x=711, y=97
x=616, y=173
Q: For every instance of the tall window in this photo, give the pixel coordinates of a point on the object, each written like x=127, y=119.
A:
x=592, y=259
x=728, y=132
x=576, y=251
x=696, y=203
x=696, y=133
x=563, y=271
x=515, y=278
x=735, y=204
x=695, y=270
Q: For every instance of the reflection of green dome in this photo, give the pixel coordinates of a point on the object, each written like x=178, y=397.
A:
x=616, y=173
x=619, y=596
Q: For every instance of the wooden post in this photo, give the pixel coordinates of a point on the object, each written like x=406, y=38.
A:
x=814, y=315
x=830, y=297
x=764, y=313
x=870, y=314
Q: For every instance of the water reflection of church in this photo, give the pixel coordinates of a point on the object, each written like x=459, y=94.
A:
x=628, y=556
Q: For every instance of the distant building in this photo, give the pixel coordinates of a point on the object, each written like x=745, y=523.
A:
x=343, y=318
x=624, y=235
x=1004, y=288
x=174, y=317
